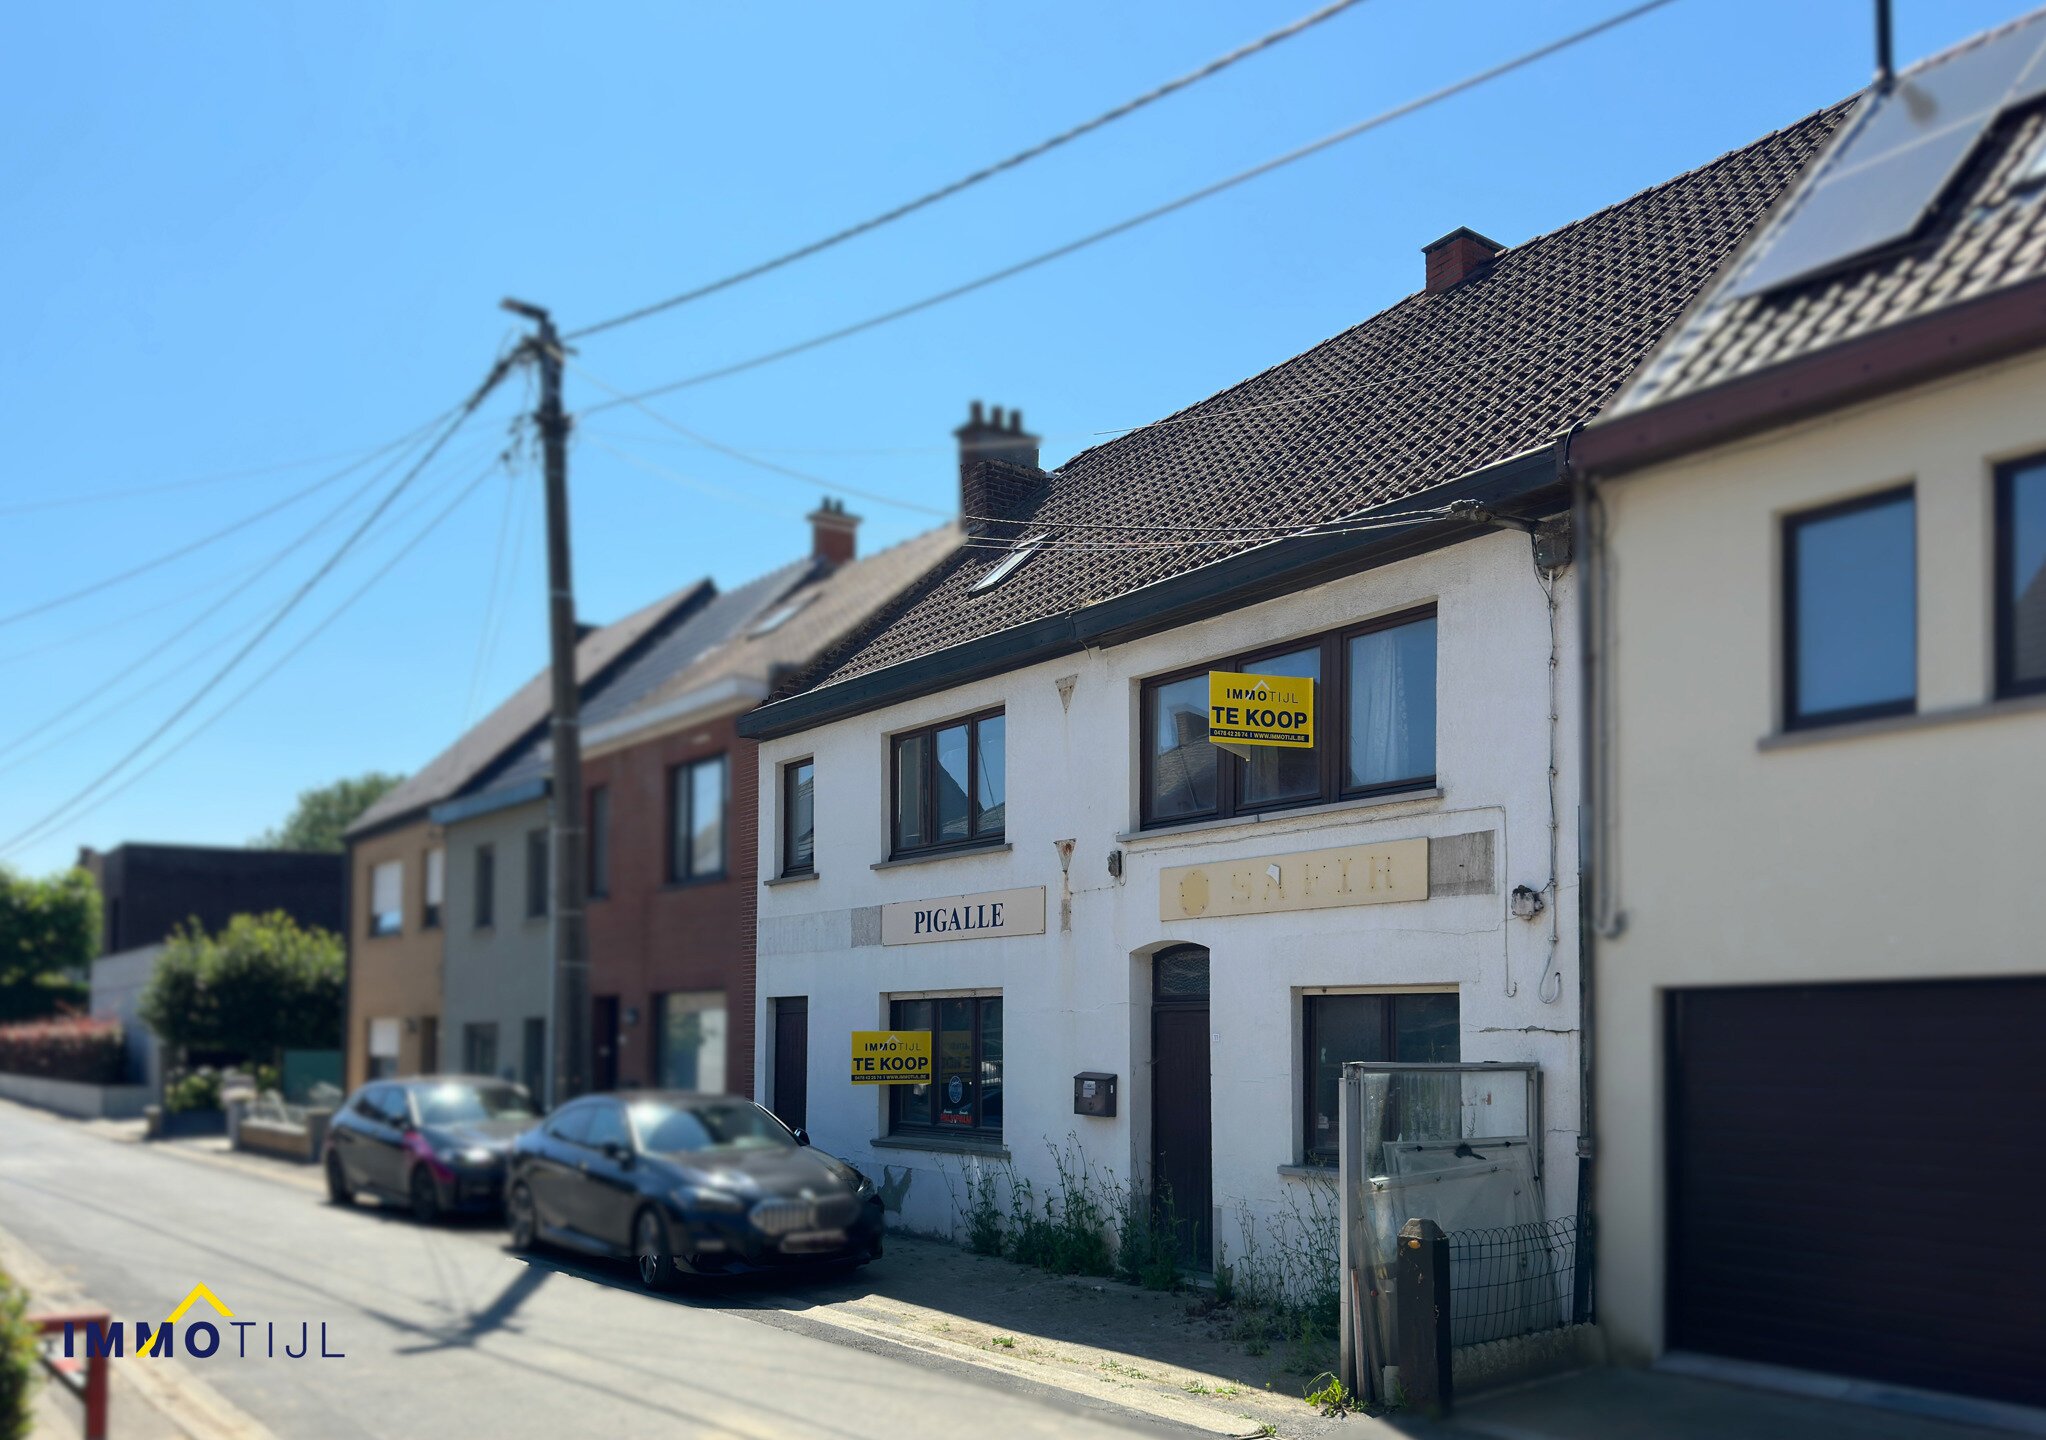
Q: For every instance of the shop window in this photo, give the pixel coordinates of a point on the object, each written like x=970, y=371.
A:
x=1850, y=586
x=1374, y=689
x=1340, y=1028
x=689, y=1041
x=951, y=784
x=2021, y=576
x=696, y=808
x=965, y=1096
x=799, y=818
x=387, y=898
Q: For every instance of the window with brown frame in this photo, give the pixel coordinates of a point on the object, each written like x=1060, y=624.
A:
x=1403, y=1027
x=1374, y=724
x=950, y=784
x=698, y=795
x=2021, y=577
x=799, y=818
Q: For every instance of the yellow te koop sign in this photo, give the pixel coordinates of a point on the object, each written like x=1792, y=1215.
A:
x=1260, y=710
x=891, y=1057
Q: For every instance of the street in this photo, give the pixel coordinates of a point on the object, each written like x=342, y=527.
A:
x=514, y=1347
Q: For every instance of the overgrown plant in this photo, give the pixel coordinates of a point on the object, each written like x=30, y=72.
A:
x=17, y=1363
x=1286, y=1282
x=984, y=1234
x=1068, y=1233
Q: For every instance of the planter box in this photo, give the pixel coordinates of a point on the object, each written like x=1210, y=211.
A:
x=286, y=1139
x=75, y=1098
x=176, y=1124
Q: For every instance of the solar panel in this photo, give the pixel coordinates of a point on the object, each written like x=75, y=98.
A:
x=1883, y=178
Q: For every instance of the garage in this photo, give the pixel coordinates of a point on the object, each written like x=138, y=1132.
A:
x=1857, y=1181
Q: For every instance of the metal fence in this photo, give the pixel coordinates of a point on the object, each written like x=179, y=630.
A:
x=1512, y=1281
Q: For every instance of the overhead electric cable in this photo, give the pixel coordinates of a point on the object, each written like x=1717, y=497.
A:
x=1350, y=132
x=242, y=524
x=197, y=481
x=703, y=487
x=42, y=826
x=462, y=413
x=1242, y=52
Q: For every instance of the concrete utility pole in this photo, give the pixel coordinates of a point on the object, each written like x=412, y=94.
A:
x=571, y=1075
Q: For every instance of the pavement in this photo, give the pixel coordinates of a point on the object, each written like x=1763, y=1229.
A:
x=928, y=1340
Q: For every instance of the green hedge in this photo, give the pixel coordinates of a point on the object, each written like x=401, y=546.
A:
x=68, y=1048
x=18, y=1365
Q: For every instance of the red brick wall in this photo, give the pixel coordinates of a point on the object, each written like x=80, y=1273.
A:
x=650, y=936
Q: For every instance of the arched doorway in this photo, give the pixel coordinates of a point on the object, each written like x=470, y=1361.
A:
x=1182, y=1140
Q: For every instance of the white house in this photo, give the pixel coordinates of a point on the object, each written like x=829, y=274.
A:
x=997, y=815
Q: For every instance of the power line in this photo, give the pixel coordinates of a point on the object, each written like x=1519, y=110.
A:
x=703, y=487
x=447, y=433
x=220, y=478
x=1242, y=52
x=43, y=826
x=1350, y=132
x=242, y=524
x=769, y=465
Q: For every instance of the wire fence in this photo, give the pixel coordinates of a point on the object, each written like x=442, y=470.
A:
x=1511, y=1281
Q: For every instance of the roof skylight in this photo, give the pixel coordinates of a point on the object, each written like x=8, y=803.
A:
x=1009, y=564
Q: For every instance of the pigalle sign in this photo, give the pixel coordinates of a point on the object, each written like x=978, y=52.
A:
x=986, y=916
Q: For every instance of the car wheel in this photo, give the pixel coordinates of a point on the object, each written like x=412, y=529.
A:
x=339, y=1191
x=425, y=1196
x=520, y=1219
x=650, y=1251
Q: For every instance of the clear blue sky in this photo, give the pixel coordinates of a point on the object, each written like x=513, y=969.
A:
x=246, y=236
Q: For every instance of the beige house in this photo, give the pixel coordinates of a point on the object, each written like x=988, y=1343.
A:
x=397, y=866
x=1816, y=641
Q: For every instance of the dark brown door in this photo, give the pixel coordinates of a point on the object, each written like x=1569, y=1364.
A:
x=792, y=1060
x=603, y=1042
x=1855, y=1178
x=1182, y=1142
x=429, y=1044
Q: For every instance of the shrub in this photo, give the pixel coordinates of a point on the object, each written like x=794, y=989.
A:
x=17, y=1362
x=258, y=988
x=199, y=1090
x=67, y=1048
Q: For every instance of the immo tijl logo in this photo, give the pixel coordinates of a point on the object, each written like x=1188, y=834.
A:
x=202, y=1338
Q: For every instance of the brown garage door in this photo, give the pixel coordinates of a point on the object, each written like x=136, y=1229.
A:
x=1858, y=1181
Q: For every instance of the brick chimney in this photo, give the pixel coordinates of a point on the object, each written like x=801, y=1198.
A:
x=1457, y=256
x=831, y=532
x=984, y=489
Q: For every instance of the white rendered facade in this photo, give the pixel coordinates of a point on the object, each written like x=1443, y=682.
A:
x=1077, y=998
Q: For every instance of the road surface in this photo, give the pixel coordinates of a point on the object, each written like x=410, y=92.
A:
x=442, y=1331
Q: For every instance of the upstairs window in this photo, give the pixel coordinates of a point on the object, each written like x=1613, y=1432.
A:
x=1374, y=726
x=2021, y=574
x=599, y=880
x=436, y=888
x=799, y=818
x=697, y=800
x=536, y=874
x=486, y=887
x=387, y=898
x=950, y=784
x=1850, y=586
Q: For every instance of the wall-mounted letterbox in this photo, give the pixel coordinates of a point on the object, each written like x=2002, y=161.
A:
x=1093, y=1093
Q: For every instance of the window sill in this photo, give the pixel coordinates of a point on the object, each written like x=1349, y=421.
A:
x=1266, y=817
x=805, y=877
x=942, y=1145
x=931, y=856
x=1309, y=1172
x=1888, y=724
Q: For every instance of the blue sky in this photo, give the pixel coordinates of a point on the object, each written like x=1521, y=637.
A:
x=246, y=238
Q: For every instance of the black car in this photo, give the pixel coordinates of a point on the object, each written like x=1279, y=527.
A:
x=687, y=1185
x=436, y=1142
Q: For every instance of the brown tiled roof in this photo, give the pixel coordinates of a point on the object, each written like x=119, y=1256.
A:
x=1434, y=387
x=1988, y=234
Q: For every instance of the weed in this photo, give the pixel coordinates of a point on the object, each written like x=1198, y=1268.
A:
x=983, y=1213
x=1007, y=1342
x=1195, y=1387
x=1331, y=1399
x=1116, y=1367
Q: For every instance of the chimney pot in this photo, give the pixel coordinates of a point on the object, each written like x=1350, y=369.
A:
x=832, y=532
x=984, y=438
x=1458, y=256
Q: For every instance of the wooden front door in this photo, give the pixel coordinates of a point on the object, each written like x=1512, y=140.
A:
x=792, y=1060
x=1182, y=1141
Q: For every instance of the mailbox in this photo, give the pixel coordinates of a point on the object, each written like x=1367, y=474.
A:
x=1093, y=1093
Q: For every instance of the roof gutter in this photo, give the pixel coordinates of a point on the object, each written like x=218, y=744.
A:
x=1975, y=332
x=1525, y=484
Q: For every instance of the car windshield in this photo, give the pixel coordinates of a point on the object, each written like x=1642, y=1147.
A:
x=454, y=1104
x=666, y=1129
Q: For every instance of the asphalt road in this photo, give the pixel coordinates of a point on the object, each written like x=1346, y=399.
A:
x=442, y=1331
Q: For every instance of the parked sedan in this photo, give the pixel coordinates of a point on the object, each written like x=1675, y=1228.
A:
x=435, y=1142
x=687, y=1184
